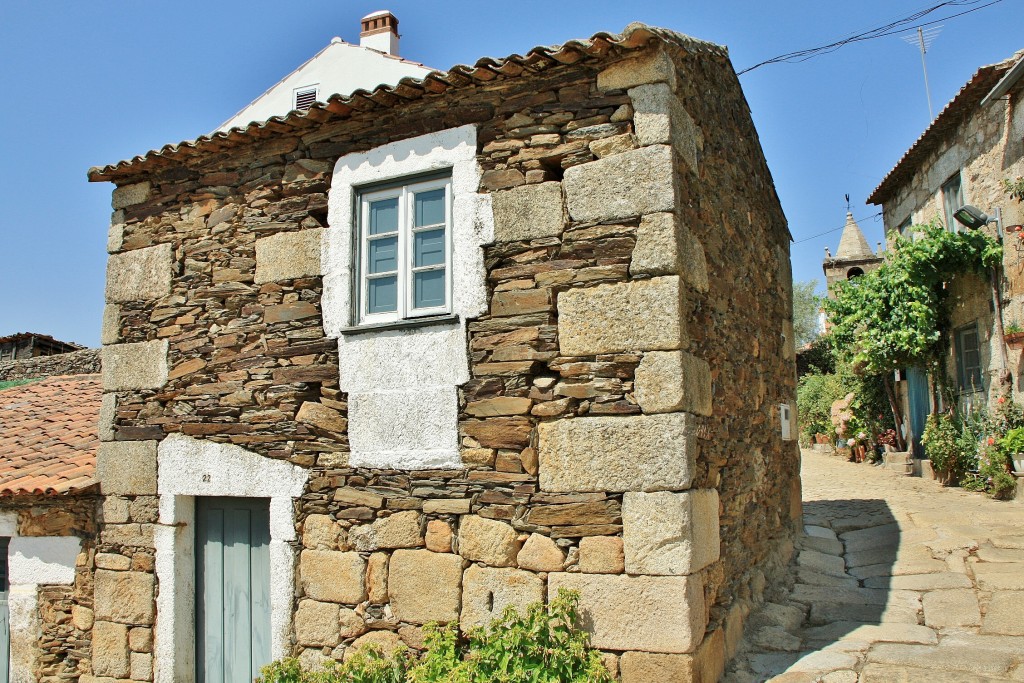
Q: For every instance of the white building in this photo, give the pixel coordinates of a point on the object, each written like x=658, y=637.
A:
x=339, y=68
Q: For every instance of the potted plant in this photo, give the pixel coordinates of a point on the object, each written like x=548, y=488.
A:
x=1013, y=445
x=1013, y=335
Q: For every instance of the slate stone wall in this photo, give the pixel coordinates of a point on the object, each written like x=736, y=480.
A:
x=620, y=433
x=84, y=362
x=61, y=646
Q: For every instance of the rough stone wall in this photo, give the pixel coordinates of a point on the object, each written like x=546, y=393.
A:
x=62, y=647
x=84, y=362
x=620, y=433
x=986, y=148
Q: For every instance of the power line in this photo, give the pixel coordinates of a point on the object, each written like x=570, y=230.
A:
x=892, y=28
x=822, y=234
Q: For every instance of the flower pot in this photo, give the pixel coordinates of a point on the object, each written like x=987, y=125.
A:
x=1014, y=340
x=1018, y=463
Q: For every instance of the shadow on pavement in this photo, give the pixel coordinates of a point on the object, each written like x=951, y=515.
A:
x=843, y=570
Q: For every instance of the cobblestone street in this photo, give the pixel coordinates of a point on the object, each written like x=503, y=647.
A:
x=898, y=580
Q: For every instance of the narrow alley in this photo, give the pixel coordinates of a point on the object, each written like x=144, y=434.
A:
x=898, y=580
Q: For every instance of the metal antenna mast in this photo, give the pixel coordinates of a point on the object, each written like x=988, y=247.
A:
x=924, y=39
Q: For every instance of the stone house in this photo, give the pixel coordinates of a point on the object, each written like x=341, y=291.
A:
x=48, y=501
x=973, y=145
x=25, y=345
x=420, y=353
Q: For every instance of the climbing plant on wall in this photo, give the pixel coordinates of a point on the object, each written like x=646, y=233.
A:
x=896, y=316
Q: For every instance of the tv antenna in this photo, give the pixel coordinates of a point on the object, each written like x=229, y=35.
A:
x=923, y=39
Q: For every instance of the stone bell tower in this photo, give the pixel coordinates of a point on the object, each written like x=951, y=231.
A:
x=853, y=257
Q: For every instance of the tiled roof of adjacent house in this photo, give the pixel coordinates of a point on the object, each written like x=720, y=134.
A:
x=48, y=435
x=951, y=116
x=485, y=70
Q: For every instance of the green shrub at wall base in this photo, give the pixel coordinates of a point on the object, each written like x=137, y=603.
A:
x=542, y=646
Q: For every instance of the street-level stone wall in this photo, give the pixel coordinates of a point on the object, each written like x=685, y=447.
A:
x=986, y=147
x=619, y=433
x=50, y=594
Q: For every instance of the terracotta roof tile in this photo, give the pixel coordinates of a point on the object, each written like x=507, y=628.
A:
x=49, y=435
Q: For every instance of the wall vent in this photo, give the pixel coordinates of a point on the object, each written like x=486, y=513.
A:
x=305, y=97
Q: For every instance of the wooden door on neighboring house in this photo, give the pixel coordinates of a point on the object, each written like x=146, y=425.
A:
x=5, y=615
x=232, y=589
x=918, y=397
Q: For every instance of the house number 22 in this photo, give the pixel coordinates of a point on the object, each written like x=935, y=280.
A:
x=206, y=478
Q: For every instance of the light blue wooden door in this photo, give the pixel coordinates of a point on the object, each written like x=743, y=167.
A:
x=917, y=395
x=232, y=589
x=5, y=615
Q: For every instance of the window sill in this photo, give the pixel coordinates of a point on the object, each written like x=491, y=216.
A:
x=408, y=323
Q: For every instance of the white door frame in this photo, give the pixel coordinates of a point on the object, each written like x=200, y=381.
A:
x=188, y=468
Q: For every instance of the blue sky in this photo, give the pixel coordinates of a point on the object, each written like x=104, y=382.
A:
x=90, y=83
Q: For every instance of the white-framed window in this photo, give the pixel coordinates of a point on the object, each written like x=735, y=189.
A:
x=404, y=251
x=967, y=346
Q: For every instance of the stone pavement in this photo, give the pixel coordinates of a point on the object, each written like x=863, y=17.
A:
x=897, y=580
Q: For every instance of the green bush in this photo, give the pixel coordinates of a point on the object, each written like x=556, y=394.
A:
x=542, y=646
x=950, y=445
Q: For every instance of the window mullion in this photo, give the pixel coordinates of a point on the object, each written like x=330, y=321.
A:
x=404, y=235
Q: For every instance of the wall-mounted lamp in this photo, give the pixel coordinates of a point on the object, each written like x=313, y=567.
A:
x=974, y=218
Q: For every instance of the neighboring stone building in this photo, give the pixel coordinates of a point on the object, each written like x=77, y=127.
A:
x=446, y=347
x=974, y=144
x=853, y=257
x=48, y=443
x=340, y=68
x=24, y=345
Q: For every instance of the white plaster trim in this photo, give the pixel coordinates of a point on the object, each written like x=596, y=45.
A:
x=32, y=561
x=23, y=611
x=402, y=383
x=184, y=465
x=46, y=560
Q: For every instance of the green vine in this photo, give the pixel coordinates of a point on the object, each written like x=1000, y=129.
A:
x=1014, y=188
x=895, y=316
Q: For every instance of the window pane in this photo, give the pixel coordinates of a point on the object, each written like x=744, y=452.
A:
x=430, y=207
x=429, y=248
x=429, y=289
x=384, y=216
x=382, y=293
x=383, y=255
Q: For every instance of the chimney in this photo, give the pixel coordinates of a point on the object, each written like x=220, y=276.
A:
x=380, y=32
